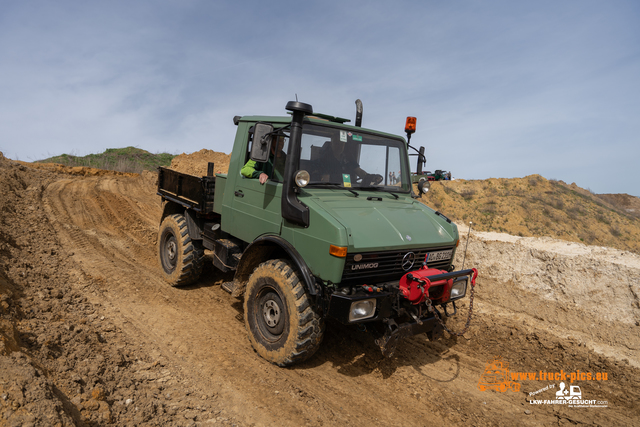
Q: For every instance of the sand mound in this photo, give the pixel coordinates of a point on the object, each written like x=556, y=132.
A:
x=197, y=163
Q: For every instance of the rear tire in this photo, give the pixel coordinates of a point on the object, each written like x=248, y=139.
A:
x=180, y=257
x=282, y=325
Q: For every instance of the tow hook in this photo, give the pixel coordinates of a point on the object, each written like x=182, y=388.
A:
x=388, y=341
x=446, y=312
x=416, y=318
x=395, y=333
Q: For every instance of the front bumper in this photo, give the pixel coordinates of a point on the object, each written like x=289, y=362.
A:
x=389, y=298
x=393, y=305
x=340, y=306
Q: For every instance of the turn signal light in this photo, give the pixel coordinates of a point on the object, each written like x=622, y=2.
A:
x=410, y=126
x=338, y=251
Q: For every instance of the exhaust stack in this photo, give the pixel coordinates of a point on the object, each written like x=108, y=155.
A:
x=358, y=113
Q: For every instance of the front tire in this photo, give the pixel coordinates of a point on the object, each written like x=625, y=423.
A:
x=180, y=257
x=282, y=325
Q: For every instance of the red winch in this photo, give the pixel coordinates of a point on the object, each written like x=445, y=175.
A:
x=415, y=286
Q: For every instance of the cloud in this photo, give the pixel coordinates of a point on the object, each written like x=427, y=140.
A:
x=499, y=89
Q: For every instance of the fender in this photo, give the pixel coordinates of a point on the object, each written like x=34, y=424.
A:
x=169, y=208
x=194, y=224
x=255, y=253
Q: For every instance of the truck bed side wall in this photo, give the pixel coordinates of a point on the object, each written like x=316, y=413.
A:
x=188, y=190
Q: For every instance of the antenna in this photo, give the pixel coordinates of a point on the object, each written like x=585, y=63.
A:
x=466, y=246
x=296, y=97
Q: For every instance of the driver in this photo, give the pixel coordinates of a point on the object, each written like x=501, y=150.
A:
x=332, y=164
x=272, y=168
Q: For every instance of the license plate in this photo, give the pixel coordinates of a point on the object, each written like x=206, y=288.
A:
x=439, y=256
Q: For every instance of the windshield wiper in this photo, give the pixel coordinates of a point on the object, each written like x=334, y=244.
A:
x=379, y=189
x=332, y=184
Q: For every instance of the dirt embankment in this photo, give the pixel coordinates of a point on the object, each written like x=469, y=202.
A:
x=629, y=204
x=197, y=163
x=91, y=335
x=534, y=206
x=586, y=293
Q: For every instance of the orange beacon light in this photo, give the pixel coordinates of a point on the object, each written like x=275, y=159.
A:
x=410, y=127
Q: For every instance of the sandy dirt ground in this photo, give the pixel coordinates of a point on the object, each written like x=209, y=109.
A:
x=90, y=334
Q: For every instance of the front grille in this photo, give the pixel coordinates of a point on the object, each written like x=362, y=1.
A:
x=378, y=267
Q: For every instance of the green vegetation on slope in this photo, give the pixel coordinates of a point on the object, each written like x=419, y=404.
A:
x=128, y=159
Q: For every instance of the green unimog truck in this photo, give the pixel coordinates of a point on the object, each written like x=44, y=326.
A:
x=327, y=235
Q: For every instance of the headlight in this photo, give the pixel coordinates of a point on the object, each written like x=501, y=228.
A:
x=459, y=289
x=302, y=178
x=363, y=309
x=423, y=185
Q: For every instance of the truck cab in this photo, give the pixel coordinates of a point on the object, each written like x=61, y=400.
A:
x=335, y=231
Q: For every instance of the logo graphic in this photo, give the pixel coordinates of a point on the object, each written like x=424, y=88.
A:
x=573, y=393
x=408, y=261
x=496, y=377
x=570, y=396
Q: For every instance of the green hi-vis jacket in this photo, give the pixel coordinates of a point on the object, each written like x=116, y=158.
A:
x=253, y=169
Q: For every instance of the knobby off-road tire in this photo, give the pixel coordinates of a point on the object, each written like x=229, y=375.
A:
x=282, y=325
x=180, y=257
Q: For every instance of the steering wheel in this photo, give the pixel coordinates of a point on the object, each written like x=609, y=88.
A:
x=371, y=179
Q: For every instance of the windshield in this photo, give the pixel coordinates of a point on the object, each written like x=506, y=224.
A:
x=353, y=159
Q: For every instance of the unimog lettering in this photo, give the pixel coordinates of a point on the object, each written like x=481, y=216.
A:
x=292, y=215
x=363, y=266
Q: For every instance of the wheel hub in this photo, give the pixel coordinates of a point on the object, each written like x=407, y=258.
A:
x=171, y=249
x=271, y=313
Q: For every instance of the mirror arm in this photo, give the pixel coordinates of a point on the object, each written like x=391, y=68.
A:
x=423, y=159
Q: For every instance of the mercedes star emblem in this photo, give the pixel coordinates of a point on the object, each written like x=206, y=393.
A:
x=408, y=260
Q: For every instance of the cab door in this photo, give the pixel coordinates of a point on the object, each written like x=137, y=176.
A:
x=256, y=207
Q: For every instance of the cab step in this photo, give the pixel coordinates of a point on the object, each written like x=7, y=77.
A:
x=229, y=287
x=233, y=288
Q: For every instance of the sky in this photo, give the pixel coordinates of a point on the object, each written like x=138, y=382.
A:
x=500, y=89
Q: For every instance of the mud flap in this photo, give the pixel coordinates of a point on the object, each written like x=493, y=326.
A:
x=395, y=332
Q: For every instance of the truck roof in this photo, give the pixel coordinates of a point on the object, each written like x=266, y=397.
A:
x=320, y=119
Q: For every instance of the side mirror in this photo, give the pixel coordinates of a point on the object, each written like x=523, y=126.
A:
x=422, y=160
x=261, y=142
x=423, y=186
